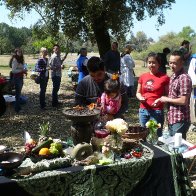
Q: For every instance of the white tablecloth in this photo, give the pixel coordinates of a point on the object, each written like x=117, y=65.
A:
x=186, y=154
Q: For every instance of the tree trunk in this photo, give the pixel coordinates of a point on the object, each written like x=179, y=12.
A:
x=101, y=35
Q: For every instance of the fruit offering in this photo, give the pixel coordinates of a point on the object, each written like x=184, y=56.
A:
x=55, y=148
x=105, y=161
x=29, y=145
x=137, y=152
x=44, y=151
x=127, y=156
x=44, y=130
x=45, y=144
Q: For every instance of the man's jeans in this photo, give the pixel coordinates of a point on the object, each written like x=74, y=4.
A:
x=18, y=82
x=180, y=127
x=56, y=86
x=146, y=115
x=42, y=95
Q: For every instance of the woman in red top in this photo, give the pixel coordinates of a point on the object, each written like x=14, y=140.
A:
x=151, y=86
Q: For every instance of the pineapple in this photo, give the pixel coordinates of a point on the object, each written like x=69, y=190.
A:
x=44, y=129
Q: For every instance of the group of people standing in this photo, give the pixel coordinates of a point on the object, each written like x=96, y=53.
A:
x=43, y=65
x=109, y=82
x=156, y=88
x=114, y=63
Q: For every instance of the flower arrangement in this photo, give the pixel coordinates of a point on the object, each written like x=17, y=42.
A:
x=152, y=125
x=117, y=127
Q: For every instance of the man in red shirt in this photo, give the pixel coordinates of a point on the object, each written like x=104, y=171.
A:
x=180, y=87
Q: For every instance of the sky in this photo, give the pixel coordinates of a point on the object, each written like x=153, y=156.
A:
x=183, y=13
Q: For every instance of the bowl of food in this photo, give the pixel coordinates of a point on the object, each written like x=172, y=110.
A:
x=81, y=114
x=136, y=132
x=10, y=160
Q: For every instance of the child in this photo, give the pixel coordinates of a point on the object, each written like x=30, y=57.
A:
x=111, y=98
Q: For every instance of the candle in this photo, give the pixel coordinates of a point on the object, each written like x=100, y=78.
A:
x=177, y=139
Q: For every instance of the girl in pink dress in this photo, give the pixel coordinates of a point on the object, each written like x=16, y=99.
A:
x=111, y=98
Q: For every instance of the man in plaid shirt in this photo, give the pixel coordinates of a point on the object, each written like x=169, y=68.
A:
x=180, y=87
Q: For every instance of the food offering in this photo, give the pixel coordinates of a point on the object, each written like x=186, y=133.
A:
x=136, y=152
x=29, y=145
x=136, y=132
x=116, y=145
x=82, y=114
x=107, y=145
x=82, y=118
x=45, y=148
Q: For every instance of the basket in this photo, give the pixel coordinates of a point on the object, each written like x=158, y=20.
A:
x=130, y=144
x=136, y=132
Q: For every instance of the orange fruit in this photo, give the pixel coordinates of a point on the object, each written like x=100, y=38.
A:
x=44, y=151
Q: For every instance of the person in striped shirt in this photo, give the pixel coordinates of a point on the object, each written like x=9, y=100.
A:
x=178, y=99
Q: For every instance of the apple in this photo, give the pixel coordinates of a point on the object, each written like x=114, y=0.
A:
x=127, y=156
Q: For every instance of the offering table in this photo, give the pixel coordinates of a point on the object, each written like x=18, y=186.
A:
x=157, y=175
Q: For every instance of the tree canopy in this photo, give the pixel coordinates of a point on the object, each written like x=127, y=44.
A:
x=32, y=39
x=12, y=37
x=95, y=19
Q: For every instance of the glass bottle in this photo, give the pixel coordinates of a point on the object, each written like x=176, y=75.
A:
x=166, y=133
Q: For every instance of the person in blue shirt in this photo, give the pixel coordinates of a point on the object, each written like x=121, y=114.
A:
x=82, y=64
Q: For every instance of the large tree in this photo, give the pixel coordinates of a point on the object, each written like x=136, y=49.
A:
x=187, y=33
x=12, y=37
x=140, y=41
x=95, y=19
